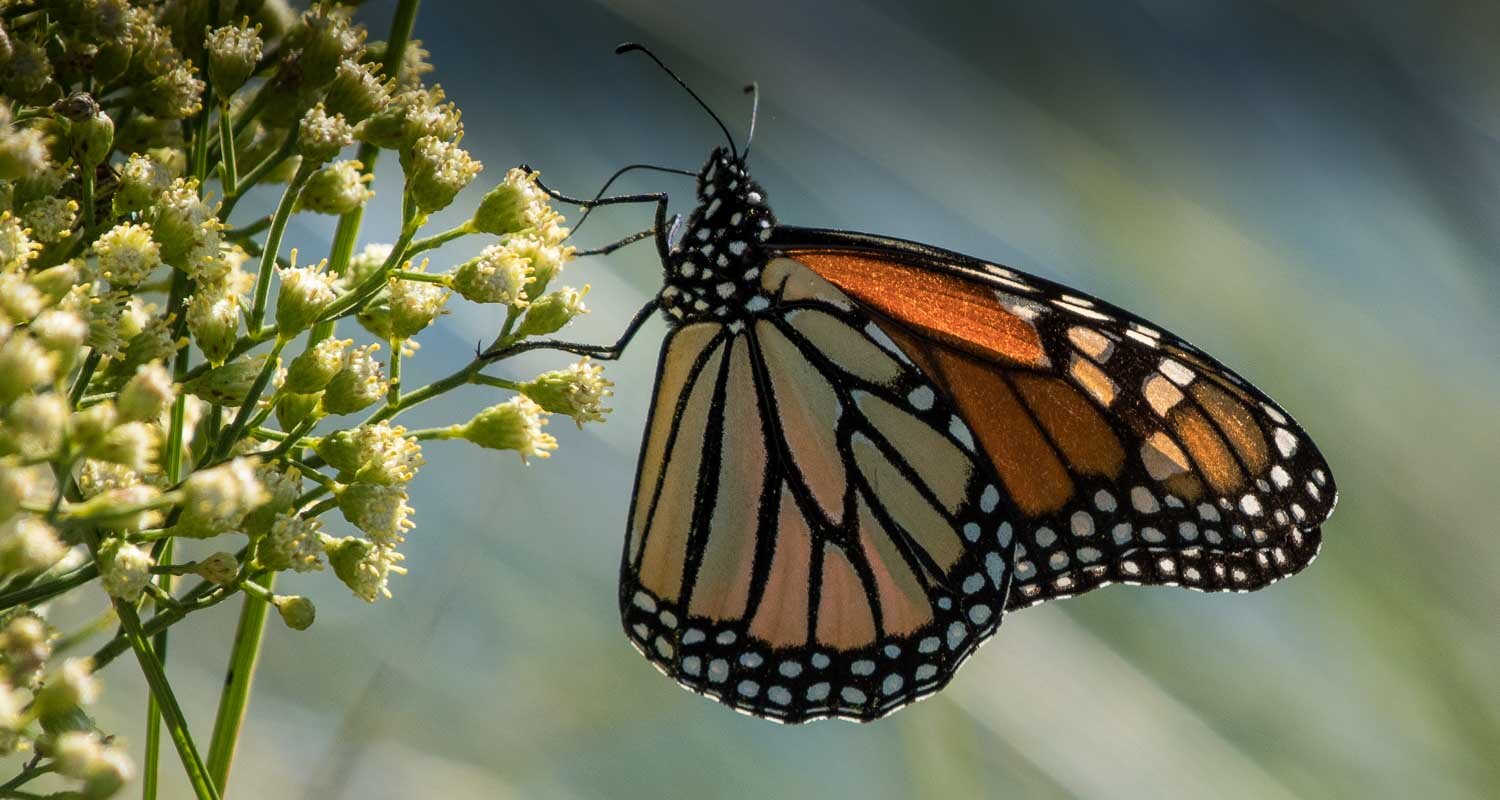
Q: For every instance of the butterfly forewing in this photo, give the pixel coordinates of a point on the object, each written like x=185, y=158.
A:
x=1124, y=453
x=814, y=532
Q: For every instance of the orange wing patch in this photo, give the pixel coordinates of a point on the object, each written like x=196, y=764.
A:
x=961, y=315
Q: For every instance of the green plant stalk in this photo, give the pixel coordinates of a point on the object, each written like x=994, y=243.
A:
x=247, y=409
x=393, y=389
x=273, y=247
x=233, y=701
x=421, y=277
x=373, y=284
x=149, y=783
x=86, y=183
x=171, y=712
x=39, y=593
x=439, y=239
x=230, y=177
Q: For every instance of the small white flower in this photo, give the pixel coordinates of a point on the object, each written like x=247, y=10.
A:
x=515, y=205
x=437, y=172
x=513, y=425
x=213, y=318
x=315, y=367
x=124, y=569
x=75, y=753
x=24, y=365
x=358, y=384
x=577, y=391
x=219, y=498
x=320, y=135
x=496, y=275
x=127, y=253
x=380, y=511
x=28, y=545
x=62, y=332
x=133, y=444
x=363, y=566
x=129, y=497
x=305, y=292
x=51, y=218
x=414, y=304
x=147, y=394
x=35, y=424
x=292, y=543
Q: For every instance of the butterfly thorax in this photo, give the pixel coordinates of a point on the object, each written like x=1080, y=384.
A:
x=713, y=270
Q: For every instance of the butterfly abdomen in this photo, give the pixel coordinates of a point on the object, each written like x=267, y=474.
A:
x=714, y=269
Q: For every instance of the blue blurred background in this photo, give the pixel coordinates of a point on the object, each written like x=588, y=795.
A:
x=1309, y=190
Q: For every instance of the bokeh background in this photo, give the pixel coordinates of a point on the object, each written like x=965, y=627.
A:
x=1308, y=189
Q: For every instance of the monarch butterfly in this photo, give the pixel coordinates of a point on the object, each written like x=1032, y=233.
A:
x=861, y=452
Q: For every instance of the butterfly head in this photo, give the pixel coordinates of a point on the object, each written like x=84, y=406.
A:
x=714, y=269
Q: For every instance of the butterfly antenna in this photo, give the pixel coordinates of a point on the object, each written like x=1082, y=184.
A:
x=754, y=91
x=633, y=46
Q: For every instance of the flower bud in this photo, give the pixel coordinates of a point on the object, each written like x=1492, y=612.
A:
x=142, y=181
x=124, y=569
x=176, y=93
x=315, y=367
x=496, y=275
x=93, y=138
x=109, y=501
x=90, y=425
x=18, y=485
x=56, y=281
x=326, y=39
x=437, y=172
x=364, y=264
x=34, y=425
x=305, y=292
x=213, y=318
x=513, y=425
x=283, y=485
x=292, y=542
x=514, y=206
x=296, y=611
x=127, y=254
x=552, y=312
x=363, y=566
x=74, y=753
x=218, y=568
x=25, y=647
x=147, y=394
x=337, y=188
x=28, y=546
x=576, y=391
x=357, y=385
x=292, y=409
x=229, y=384
x=23, y=151
x=187, y=228
x=320, y=135
x=153, y=343
x=219, y=498
x=409, y=116
x=413, y=304
x=62, y=332
x=380, y=511
x=380, y=453
x=233, y=52
x=133, y=444
x=356, y=92
x=51, y=219
x=546, y=259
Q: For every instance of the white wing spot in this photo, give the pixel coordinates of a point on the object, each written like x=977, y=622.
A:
x=1143, y=500
x=921, y=398
x=1176, y=372
x=1082, y=524
x=1104, y=501
x=1286, y=442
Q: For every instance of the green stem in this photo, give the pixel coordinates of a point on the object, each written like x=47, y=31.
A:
x=499, y=383
x=42, y=592
x=273, y=248
x=326, y=505
x=247, y=409
x=85, y=374
x=235, y=698
x=86, y=181
x=149, y=776
x=230, y=176
x=171, y=712
x=258, y=173
x=439, y=239
x=393, y=389
x=420, y=277
x=372, y=284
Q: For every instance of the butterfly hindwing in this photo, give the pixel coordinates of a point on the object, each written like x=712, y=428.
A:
x=813, y=532
x=1125, y=454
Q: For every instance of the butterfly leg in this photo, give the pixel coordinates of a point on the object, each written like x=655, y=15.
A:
x=659, y=230
x=599, y=351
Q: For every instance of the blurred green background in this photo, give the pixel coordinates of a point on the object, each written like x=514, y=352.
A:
x=1309, y=190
